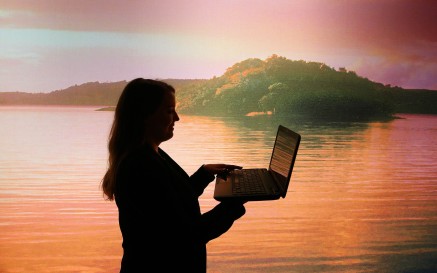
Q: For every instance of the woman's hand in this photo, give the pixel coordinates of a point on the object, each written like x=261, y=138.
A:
x=235, y=209
x=220, y=168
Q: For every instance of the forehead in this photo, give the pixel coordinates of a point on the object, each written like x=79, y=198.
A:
x=169, y=98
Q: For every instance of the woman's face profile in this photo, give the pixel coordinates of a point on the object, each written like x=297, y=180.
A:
x=160, y=125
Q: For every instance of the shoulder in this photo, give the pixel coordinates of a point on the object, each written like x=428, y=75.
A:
x=140, y=160
x=137, y=170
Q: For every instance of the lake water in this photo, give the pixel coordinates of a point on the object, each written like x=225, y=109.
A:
x=363, y=196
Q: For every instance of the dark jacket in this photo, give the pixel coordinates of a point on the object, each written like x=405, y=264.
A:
x=160, y=219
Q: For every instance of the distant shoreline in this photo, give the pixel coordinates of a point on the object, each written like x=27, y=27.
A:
x=109, y=108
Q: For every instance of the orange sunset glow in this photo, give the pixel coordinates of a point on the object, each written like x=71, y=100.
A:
x=363, y=191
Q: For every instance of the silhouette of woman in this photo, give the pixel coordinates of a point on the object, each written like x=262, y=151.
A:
x=160, y=219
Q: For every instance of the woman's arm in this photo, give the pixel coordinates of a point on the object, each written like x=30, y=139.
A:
x=206, y=174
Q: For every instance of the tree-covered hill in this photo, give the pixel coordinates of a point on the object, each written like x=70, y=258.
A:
x=91, y=93
x=277, y=86
x=285, y=87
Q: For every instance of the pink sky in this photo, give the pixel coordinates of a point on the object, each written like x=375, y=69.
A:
x=47, y=45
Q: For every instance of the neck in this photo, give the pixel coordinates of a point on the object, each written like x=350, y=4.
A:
x=152, y=145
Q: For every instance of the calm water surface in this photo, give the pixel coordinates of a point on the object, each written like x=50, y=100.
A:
x=363, y=196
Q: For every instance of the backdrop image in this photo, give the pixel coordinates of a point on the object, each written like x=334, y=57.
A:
x=356, y=79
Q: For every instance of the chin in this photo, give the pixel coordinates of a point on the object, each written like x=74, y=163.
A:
x=169, y=135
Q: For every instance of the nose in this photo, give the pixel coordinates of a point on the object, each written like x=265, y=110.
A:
x=176, y=116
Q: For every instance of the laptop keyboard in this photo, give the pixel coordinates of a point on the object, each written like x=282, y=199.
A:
x=249, y=182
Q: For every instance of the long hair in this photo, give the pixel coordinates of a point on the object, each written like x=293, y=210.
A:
x=139, y=99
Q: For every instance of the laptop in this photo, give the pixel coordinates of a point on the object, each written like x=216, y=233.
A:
x=259, y=184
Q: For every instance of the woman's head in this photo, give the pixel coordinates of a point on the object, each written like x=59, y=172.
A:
x=140, y=103
x=145, y=115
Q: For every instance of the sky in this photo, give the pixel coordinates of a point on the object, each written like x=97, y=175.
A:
x=48, y=45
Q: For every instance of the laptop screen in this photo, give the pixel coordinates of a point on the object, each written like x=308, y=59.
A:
x=283, y=157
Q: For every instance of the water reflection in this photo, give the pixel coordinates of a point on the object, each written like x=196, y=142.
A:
x=361, y=192
x=363, y=196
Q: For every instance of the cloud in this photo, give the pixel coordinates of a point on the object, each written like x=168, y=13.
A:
x=412, y=65
x=395, y=73
x=390, y=41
